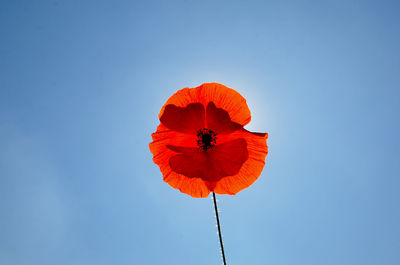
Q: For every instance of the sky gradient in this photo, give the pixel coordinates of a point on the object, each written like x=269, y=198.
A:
x=81, y=85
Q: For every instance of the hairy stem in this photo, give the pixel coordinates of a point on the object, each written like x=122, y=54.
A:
x=219, y=229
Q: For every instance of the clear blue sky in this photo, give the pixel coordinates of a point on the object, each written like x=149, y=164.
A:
x=81, y=84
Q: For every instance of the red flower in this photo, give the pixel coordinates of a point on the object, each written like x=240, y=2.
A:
x=201, y=145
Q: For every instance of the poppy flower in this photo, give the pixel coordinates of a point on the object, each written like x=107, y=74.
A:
x=201, y=145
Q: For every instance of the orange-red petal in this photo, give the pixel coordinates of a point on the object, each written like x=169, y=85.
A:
x=219, y=121
x=195, y=187
x=188, y=119
x=251, y=169
x=223, y=97
x=200, y=187
x=223, y=160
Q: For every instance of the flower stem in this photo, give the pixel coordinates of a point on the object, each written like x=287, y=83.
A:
x=219, y=229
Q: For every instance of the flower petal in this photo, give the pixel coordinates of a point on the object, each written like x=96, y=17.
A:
x=218, y=120
x=251, y=169
x=223, y=160
x=200, y=187
x=222, y=96
x=195, y=187
x=189, y=119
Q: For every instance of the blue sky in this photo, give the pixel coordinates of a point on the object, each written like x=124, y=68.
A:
x=81, y=84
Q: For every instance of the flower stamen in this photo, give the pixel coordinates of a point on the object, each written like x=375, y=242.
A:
x=206, y=139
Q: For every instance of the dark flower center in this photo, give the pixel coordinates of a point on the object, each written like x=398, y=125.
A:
x=206, y=139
